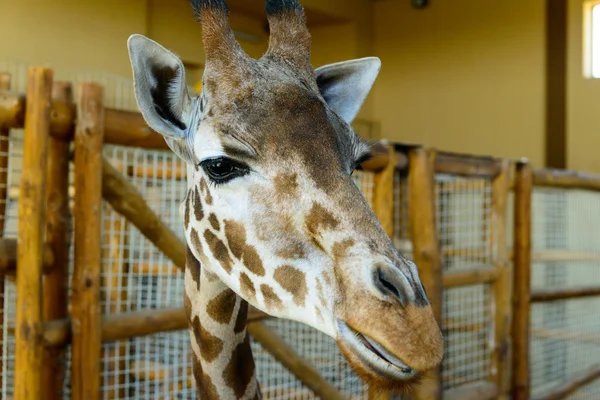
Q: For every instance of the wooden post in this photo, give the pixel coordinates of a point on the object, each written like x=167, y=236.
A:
x=502, y=286
x=383, y=193
x=4, y=154
x=426, y=247
x=85, y=286
x=521, y=282
x=57, y=237
x=116, y=256
x=32, y=213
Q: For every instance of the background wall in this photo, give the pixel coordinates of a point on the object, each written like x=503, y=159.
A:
x=463, y=75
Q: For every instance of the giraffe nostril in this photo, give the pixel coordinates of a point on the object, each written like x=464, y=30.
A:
x=390, y=284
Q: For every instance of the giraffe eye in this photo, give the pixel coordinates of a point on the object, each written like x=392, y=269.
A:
x=222, y=170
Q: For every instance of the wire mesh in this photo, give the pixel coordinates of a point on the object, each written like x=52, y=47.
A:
x=463, y=214
x=466, y=325
x=565, y=335
x=463, y=219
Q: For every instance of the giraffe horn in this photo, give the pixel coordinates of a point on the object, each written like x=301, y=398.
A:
x=222, y=50
x=289, y=39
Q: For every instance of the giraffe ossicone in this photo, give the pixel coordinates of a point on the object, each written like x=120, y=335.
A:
x=272, y=216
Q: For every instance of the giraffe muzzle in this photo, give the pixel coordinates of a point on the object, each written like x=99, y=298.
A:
x=373, y=355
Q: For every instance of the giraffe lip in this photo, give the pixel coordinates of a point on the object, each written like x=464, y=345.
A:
x=374, y=355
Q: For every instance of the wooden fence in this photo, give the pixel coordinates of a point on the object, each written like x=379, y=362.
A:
x=423, y=198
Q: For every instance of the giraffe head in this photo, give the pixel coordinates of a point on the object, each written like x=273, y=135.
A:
x=271, y=208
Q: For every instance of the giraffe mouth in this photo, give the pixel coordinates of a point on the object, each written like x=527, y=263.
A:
x=374, y=356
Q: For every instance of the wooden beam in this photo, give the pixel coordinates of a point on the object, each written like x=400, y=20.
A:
x=57, y=238
x=577, y=382
x=471, y=276
x=467, y=166
x=546, y=295
x=522, y=282
x=32, y=216
x=282, y=352
x=565, y=179
x=85, y=298
x=383, y=193
x=502, y=287
x=426, y=250
x=127, y=201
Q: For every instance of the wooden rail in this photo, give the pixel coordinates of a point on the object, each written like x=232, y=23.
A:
x=85, y=286
x=426, y=250
x=502, y=286
x=546, y=295
x=32, y=215
x=57, y=236
x=522, y=282
x=553, y=178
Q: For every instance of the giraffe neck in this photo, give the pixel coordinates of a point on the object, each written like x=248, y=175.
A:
x=223, y=362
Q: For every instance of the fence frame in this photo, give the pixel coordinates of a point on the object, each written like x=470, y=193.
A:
x=526, y=179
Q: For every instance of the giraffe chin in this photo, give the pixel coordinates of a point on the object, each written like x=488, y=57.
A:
x=376, y=366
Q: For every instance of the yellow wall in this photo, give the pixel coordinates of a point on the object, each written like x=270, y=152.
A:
x=74, y=34
x=463, y=75
x=583, y=99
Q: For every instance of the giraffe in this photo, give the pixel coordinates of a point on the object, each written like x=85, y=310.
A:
x=272, y=217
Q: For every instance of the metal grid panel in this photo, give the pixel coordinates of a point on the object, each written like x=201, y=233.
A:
x=10, y=231
x=467, y=325
x=565, y=335
x=463, y=219
x=402, y=237
x=463, y=214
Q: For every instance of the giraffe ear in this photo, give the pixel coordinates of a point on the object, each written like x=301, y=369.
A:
x=160, y=90
x=345, y=85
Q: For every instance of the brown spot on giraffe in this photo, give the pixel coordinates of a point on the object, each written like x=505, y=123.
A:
x=240, y=370
x=247, y=287
x=272, y=301
x=219, y=250
x=193, y=265
x=236, y=239
x=220, y=309
x=210, y=345
x=340, y=250
x=320, y=219
x=206, y=389
x=293, y=281
x=252, y=261
x=206, y=192
x=198, y=209
x=188, y=205
x=286, y=184
x=187, y=306
x=214, y=222
x=242, y=317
